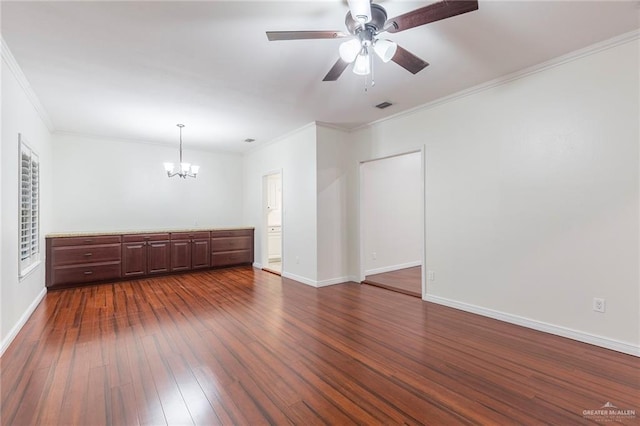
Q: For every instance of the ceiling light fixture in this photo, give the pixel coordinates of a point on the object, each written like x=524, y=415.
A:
x=362, y=64
x=358, y=50
x=360, y=10
x=385, y=49
x=186, y=169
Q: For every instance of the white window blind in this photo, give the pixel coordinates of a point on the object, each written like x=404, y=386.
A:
x=29, y=208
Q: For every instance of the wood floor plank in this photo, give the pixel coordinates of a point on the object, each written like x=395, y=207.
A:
x=240, y=346
x=406, y=280
x=97, y=410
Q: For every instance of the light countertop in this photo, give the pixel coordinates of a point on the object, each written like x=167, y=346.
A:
x=139, y=231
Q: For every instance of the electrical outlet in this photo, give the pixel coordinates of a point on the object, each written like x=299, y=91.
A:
x=374, y=255
x=599, y=305
x=431, y=275
x=297, y=260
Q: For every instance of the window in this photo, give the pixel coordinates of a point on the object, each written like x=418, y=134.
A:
x=29, y=208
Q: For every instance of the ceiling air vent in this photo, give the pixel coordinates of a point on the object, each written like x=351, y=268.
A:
x=249, y=140
x=384, y=105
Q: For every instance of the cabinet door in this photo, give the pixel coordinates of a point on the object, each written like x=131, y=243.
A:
x=274, y=242
x=229, y=258
x=231, y=243
x=200, y=255
x=134, y=259
x=180, y=255
x=158, y=257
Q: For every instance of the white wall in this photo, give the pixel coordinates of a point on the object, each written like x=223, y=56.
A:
x=532, y=195
x=295, y=155
x=19, y=115
x=334, y=159
x=391, y=213
x=113, y=185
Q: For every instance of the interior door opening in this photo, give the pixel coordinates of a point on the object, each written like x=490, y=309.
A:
x=272, y=253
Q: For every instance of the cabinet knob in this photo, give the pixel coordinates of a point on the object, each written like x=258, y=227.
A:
x=88, y=254
x=88, y=272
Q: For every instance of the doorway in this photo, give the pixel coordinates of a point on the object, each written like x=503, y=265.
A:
x=392, y=223
x=272, y=195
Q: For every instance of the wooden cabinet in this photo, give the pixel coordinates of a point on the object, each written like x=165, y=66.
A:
x=189, y=250
x=80, y=260
x=180, y=255
x=231, y=248
x=134, y=259
x=158, y=257
x=200, y=256
x=77, y=260
x=145, y=254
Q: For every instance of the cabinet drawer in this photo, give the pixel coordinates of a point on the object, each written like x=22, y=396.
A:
x=232, y=233
x=132, y=238
x=198, y=235
x=230, y=243
x=86, y=254
x=231, y=258
x=85, y=273
x=79, y=241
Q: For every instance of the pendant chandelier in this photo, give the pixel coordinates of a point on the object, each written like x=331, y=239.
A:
x=185, y=169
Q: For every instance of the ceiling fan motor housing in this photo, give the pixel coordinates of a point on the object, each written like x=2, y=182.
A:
x=376, y=24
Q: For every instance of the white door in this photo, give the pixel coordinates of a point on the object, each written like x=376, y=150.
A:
x=272, y=253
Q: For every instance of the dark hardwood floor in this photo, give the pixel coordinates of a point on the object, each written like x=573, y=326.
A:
x=242, y=346
x=407, y=281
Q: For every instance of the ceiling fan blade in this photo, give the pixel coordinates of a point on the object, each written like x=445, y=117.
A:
x=431, y=13
x=409, y=61
x=336, y=70
x=304, y=35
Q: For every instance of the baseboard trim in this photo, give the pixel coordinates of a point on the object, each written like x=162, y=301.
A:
x=22, y=321
x=392, y=268
x=318, y=284
x=300, y=279
x=334, y=281
x=569, y=333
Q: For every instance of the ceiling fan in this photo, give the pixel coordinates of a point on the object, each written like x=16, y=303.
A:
x=365, y=21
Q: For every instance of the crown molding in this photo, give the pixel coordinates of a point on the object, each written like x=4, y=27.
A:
x=279, y=138
x=560, y=60
x=108, y=138
x=10, y=61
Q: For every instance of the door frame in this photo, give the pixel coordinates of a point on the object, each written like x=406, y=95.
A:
x=423, y=231
x=264, y=235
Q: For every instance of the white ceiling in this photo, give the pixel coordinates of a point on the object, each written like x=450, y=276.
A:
x=134, y=69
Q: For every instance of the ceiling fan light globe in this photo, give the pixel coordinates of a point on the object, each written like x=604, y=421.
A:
x=362, y=65
x=360, y=10
x=385, y=49
x=349, y=50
